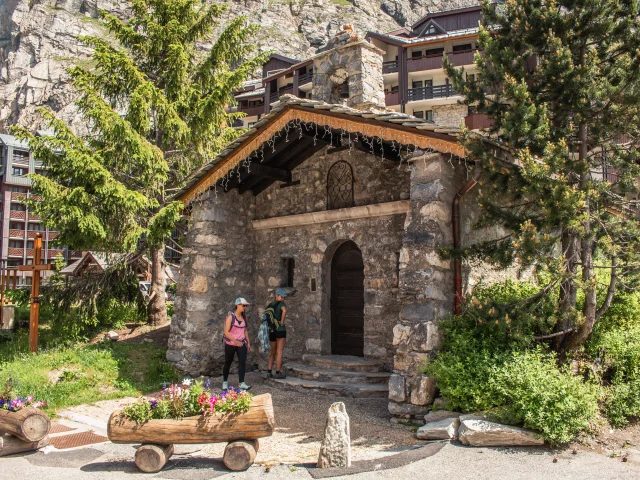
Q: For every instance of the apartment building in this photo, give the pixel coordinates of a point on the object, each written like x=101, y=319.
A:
x=414, y=80
x=18, y=225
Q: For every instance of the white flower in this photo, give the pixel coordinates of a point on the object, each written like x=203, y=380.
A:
x=186, y=382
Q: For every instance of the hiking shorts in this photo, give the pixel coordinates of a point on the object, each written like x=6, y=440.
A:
x=277, y=334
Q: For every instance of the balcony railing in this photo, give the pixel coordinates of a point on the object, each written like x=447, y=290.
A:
x=390, y=67
x=478, y=121
x=252, y=110
x=391, y=98
x=75, y=253
x=15, y=252
x=17, y=214
x=237, y=123
x=434, y=62
x=16, y=233
x=427, y=93
x=305, y=78
x=18, y=196
x=276, y=95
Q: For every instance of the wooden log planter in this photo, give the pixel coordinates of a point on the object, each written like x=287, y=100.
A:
x=28, y=424
x=10, y=445
x=158, y=436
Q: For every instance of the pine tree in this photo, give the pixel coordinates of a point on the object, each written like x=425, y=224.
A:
x=561, y=80
x=154, y=105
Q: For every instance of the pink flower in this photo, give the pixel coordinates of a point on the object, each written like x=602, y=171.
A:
x=30, y=398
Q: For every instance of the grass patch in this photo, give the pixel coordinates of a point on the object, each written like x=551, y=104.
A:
x=342, y=3
x=65, y=376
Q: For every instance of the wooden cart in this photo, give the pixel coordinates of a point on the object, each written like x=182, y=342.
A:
x=240, y=430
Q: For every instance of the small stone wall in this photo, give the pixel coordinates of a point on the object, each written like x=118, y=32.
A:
x=216, y=268
x=451, y=115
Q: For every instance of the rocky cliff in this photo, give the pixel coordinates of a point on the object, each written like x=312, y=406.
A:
x=39, y=40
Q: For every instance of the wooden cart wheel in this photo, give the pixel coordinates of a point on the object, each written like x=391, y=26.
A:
x=240, y=455
x=151, y=458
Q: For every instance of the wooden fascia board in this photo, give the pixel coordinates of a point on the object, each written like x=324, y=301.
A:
x=386, y=131
x=385, y=39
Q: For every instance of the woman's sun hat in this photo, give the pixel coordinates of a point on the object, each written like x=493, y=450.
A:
x=282, y=292
x=241, y=301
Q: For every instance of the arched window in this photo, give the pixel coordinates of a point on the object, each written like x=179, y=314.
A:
x=340, y=186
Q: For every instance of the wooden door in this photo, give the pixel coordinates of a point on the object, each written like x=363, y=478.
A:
x=347, y=301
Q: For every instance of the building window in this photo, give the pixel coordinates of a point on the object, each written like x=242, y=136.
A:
x=418, y=114
x=36, y=227
x=416, y=54
x=434, y=52
x=21, y=156
x=14, y=262
x=431, y=30
x=462, y=48
x=288, y=268
x=472, y=109
x=41, y=172
x=19, y=171
x=18, y=207
x=16, y=226
x=29, y=243
x=340, y=186
x=428, y=115
x=16, y=244
x=16, y=189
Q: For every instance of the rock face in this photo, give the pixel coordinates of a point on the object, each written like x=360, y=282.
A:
x=445, y=429
x=478, y=432
x=39, y=40
x=336, y=445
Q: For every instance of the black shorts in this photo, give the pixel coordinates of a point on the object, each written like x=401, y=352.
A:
x=277, y=334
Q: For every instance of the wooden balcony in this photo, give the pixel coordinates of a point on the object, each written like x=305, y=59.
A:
x=19, y=197
x=434, y=62
x=391, y=98
x=252, y=110
x=16, y=214
x=283, y=91
x=389, y=67
x=478, y=121
x=15, y=252
x=16, y=233
x=428, y=93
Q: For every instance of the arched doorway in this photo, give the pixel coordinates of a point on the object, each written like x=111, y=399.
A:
x=347, y=301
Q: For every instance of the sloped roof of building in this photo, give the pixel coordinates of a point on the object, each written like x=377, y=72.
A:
x=431, y=38
x=11, y=141
x=385, y=124
x=252, y=93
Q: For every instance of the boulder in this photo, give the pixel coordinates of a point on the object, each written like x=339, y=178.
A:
x=424, y=391
x=406, y=409
x=335, y=450
x=397, y=388
x=437, y=415
x=111, y=336
x=445, y=429
x=479, y=432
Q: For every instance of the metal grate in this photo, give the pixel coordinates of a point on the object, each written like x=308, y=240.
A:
x=59, y=428
x=77, y=440
x=340, y=186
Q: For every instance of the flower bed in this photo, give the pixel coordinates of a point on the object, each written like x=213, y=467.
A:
x=12, y=403
x=187, y=400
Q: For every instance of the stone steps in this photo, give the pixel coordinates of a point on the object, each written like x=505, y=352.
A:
x=343, y=362
x=356, y=390
x=335, y=375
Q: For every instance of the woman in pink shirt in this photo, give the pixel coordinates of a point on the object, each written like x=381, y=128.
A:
x=237, y=341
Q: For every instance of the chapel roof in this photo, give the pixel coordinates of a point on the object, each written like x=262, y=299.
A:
x=386, y=125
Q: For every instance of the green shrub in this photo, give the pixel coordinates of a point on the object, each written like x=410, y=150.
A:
x=540, y=396
x=617, y=348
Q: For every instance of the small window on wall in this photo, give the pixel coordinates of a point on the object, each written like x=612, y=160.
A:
x=416, y=54
x=418, y=114
x=288, y=270
x=19, y=171
x=340, y=186
x=428, y=115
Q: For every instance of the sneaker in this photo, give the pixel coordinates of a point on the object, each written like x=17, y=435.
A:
x=225, y=385
x=269, y=374
x=244, y=386
x=279, y=375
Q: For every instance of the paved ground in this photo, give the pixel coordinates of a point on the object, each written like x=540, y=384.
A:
x=380, y=450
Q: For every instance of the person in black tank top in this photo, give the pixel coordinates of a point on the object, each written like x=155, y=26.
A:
x=278, y=336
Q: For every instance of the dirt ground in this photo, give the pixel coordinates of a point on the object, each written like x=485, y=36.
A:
x=300, y=419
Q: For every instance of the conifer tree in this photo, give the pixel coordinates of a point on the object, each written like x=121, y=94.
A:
x=154, y=105
x=561, y=81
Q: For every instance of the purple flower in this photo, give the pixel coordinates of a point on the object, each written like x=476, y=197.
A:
x=153, y=403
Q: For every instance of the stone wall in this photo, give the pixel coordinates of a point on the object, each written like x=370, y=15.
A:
x=216, y=268
x=312, y=247
x=425, y=282
x=452, y=115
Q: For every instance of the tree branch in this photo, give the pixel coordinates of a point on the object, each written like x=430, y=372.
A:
x=611, y=290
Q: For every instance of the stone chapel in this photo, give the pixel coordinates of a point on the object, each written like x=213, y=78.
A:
x=343, y=203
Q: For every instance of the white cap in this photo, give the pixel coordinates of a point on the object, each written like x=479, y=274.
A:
x=241, y=301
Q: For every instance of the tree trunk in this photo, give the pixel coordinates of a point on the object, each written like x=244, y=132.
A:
x=568, y=289
x=151, y=458
x=10, y=445
x=28, y=424
x=240, y=455
x=157, y=308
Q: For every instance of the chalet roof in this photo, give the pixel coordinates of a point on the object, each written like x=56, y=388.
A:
x=251, y=93
x=385, y=124
x=102, y=260
x=442, y=13
x=11, y=141
x=443, y=36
